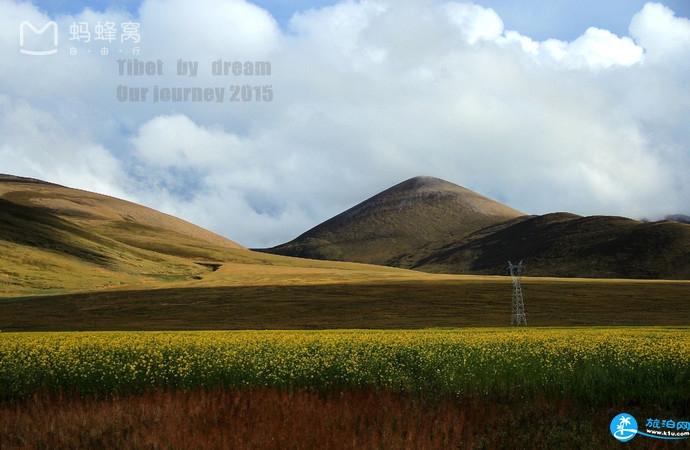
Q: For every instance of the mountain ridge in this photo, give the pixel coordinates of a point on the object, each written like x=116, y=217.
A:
x=556, y=244
x=386, y=227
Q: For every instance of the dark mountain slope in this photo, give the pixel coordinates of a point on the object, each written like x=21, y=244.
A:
x=567, y=245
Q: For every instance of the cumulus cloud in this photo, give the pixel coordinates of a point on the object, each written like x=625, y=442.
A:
x=180, y=28
x=35, y=144
x=658, y=30
x=595, y=49
x=366, y=94
x=176, y=141
x=475, y=22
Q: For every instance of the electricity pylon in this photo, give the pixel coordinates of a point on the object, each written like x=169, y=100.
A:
x=518, y=316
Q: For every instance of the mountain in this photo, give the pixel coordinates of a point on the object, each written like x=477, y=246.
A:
x=568, y=245
x=400, y=225
x=682, y=218
x=435, y=226
x=54, y=239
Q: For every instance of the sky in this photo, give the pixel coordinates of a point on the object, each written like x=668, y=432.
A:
x=576, y=106
x=560, y=19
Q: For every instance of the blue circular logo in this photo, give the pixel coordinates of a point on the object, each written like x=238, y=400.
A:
x=623, y=427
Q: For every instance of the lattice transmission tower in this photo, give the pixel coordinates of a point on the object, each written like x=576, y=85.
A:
x=518, y=316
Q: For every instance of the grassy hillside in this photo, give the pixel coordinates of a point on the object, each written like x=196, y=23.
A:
x=54, y=239
x=396, y=226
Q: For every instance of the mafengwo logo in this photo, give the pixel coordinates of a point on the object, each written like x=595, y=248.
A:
x=38, y=41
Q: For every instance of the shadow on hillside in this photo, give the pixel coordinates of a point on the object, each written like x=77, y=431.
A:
x=40, y=228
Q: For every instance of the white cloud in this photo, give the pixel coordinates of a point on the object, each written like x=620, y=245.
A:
x=34, y=144
x=599, y=49
x=366, y=94
x=338, y=27
x=176, y=141
x=594, y=50
x=475, y=22
x=215, y=28
x=658, y=30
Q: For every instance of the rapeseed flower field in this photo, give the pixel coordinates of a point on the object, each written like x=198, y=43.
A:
x=589, y=364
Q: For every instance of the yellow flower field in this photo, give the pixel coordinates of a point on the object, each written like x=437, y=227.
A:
x=592, y=364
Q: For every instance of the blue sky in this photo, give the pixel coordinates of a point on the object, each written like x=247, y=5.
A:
x=539, y=19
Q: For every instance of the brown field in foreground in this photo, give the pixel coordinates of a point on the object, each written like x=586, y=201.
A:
x=277, y=419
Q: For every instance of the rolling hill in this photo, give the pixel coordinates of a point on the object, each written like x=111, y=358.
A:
x=435, y=226
x=400, y=225
x=55, y=239
x=76, y=260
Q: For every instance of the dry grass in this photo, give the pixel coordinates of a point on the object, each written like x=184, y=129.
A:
x=423, y=303
x=92, y=210
x=60, y=240
x=276, y=419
